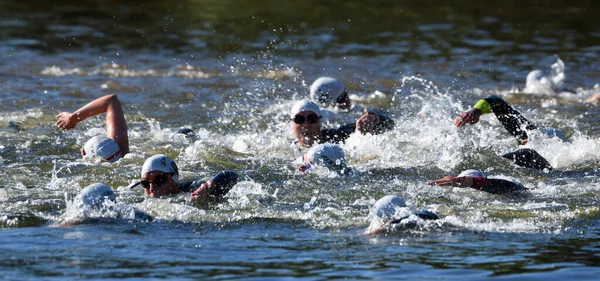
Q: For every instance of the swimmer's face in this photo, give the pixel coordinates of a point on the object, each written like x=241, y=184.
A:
x=306, y=126
x=157, y=184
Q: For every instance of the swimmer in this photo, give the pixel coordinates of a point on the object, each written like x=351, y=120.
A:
x=96, y=195
x=331, y=95
x=306, y=125
x=542, y=82
x=511, y=119
x=329, y=156
x=514, y=123
x=160, y=177
x=109, y=148
x=330, y=92
x=391, y=212
x=539, y=83
x=478, y=180
x=97, y=201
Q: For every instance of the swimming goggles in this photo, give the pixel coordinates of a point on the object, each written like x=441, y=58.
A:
x=311, y=118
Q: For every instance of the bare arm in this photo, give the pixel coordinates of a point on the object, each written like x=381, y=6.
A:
x=453, y=181
x=116, y=126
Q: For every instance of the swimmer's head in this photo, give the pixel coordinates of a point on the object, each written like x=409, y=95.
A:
x=158, y=170
x=305, y=106
x=327, y=155
x=101, y=148
x=328, y=91
x=160, y=163
x=306, y=122
x=387, y=207
x=472, y=173
x=96, y=195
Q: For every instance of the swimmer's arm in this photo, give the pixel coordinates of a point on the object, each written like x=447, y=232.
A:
x=472, y=116
x=385, y=124
x=372, y=123
x=500, y=186
x=366, y=123
x=379, y=229
x=453, y=181
x=468, y=117
x=217, y=186
x=116, y=126
x=337, y=135
x=511, y=119
x=494, y=186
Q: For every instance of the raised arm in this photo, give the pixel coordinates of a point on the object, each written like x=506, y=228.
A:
x=116, y=126
x=511, y=119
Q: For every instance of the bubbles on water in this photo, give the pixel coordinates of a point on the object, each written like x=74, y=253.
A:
x=189, y=71
x=57, y=71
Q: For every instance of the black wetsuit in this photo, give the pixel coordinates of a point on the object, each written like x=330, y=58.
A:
x=517, y=126
x=500, y=186
x=511, y=119
x=222, y=183
x=423, y=214
x=342, y=133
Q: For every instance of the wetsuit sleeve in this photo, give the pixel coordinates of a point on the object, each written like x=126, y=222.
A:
x=337, y=135
x=190, y=186
x=511, y=119
x=342, y=133
x=223, y=182
x=385, y=124
x=499, y=186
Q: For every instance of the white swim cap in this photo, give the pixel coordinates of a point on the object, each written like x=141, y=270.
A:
x=326, y=90
x=305, y=105
x=101, y=147
x=328, y=155
x=158, y=162
x=387, y=207
x=94, y=195
x=472, y=173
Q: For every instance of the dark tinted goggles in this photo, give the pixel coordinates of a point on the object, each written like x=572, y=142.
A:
x=158, y=180
x=311, y=118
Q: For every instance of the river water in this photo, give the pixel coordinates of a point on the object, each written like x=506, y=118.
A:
x=230, y=70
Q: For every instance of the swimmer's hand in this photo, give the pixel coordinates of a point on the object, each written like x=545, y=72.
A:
x=366, y=123
x=67, y=120
x=453, y=181
x=202, y=191
x=304, y=168
x=468, y=117
x=593, y=99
